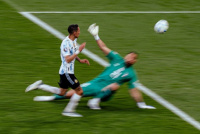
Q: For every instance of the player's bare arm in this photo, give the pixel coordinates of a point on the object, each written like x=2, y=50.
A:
x=83, y=60
x=94, y=30
x=69, y=58
x=103, y=47
x=136, y=95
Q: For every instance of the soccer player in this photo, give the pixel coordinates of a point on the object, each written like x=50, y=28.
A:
x=69, y=53
x=119, y=72
x=104, y=86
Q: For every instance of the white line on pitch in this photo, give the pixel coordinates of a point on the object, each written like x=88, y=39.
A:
x=96, y=58
x=15, y=6
x=115, y=12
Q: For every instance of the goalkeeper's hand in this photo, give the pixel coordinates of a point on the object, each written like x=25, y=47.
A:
x=93, y=29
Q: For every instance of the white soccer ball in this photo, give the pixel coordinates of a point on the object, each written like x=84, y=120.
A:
x=161, y=26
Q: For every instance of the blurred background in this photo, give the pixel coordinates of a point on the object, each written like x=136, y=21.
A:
x=168, y=65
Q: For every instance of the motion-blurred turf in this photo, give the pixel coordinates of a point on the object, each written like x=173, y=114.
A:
x=168, y=64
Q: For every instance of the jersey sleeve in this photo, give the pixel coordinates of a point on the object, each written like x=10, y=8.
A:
x=133, y=80
x=65, y=48
x=132, y=83
x=113, y=56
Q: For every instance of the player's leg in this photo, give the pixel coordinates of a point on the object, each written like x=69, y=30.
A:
x=100, y=97
x=94, y=103
x=89, y=89
x=39, y=85
x=72, y=81
x=104, y=94
x=51, y=89
x=33, y=86
x=44, y=98
x=71, y=106
x=55, y=96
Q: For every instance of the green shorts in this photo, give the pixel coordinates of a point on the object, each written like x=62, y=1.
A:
x=91, y=89
x=95, y=90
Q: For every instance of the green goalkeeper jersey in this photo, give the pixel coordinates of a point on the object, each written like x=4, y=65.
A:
x=116, y=72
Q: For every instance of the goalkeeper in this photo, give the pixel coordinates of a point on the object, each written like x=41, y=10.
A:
x=103, y=86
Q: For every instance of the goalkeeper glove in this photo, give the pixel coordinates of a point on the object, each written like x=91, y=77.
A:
x=94, y=30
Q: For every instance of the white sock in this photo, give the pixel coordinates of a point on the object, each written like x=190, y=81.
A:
x=48, y=88
x=96, y=37
x=95, y=101
x=72, y=103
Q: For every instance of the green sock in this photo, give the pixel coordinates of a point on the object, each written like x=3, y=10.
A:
x=105, y=95
x=59, y=97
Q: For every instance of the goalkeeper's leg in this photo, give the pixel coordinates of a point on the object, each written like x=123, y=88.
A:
x=100, y=97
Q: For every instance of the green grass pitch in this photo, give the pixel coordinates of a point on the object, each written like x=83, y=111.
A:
x=168, y=65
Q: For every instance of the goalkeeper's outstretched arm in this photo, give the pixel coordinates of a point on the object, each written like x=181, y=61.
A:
x=94, y=30
x=103, y=47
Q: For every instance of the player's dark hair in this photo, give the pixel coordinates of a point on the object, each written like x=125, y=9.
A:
x=72, y=28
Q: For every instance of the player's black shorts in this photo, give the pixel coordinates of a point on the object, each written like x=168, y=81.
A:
x=68, y=80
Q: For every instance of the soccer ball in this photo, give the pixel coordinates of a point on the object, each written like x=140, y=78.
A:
x=161, y=26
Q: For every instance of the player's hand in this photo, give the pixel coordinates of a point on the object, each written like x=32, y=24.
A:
x=82, y=46
x=85, y=61
x=93, y=29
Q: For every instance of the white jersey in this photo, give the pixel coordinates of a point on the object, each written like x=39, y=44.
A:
x=68, y=47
